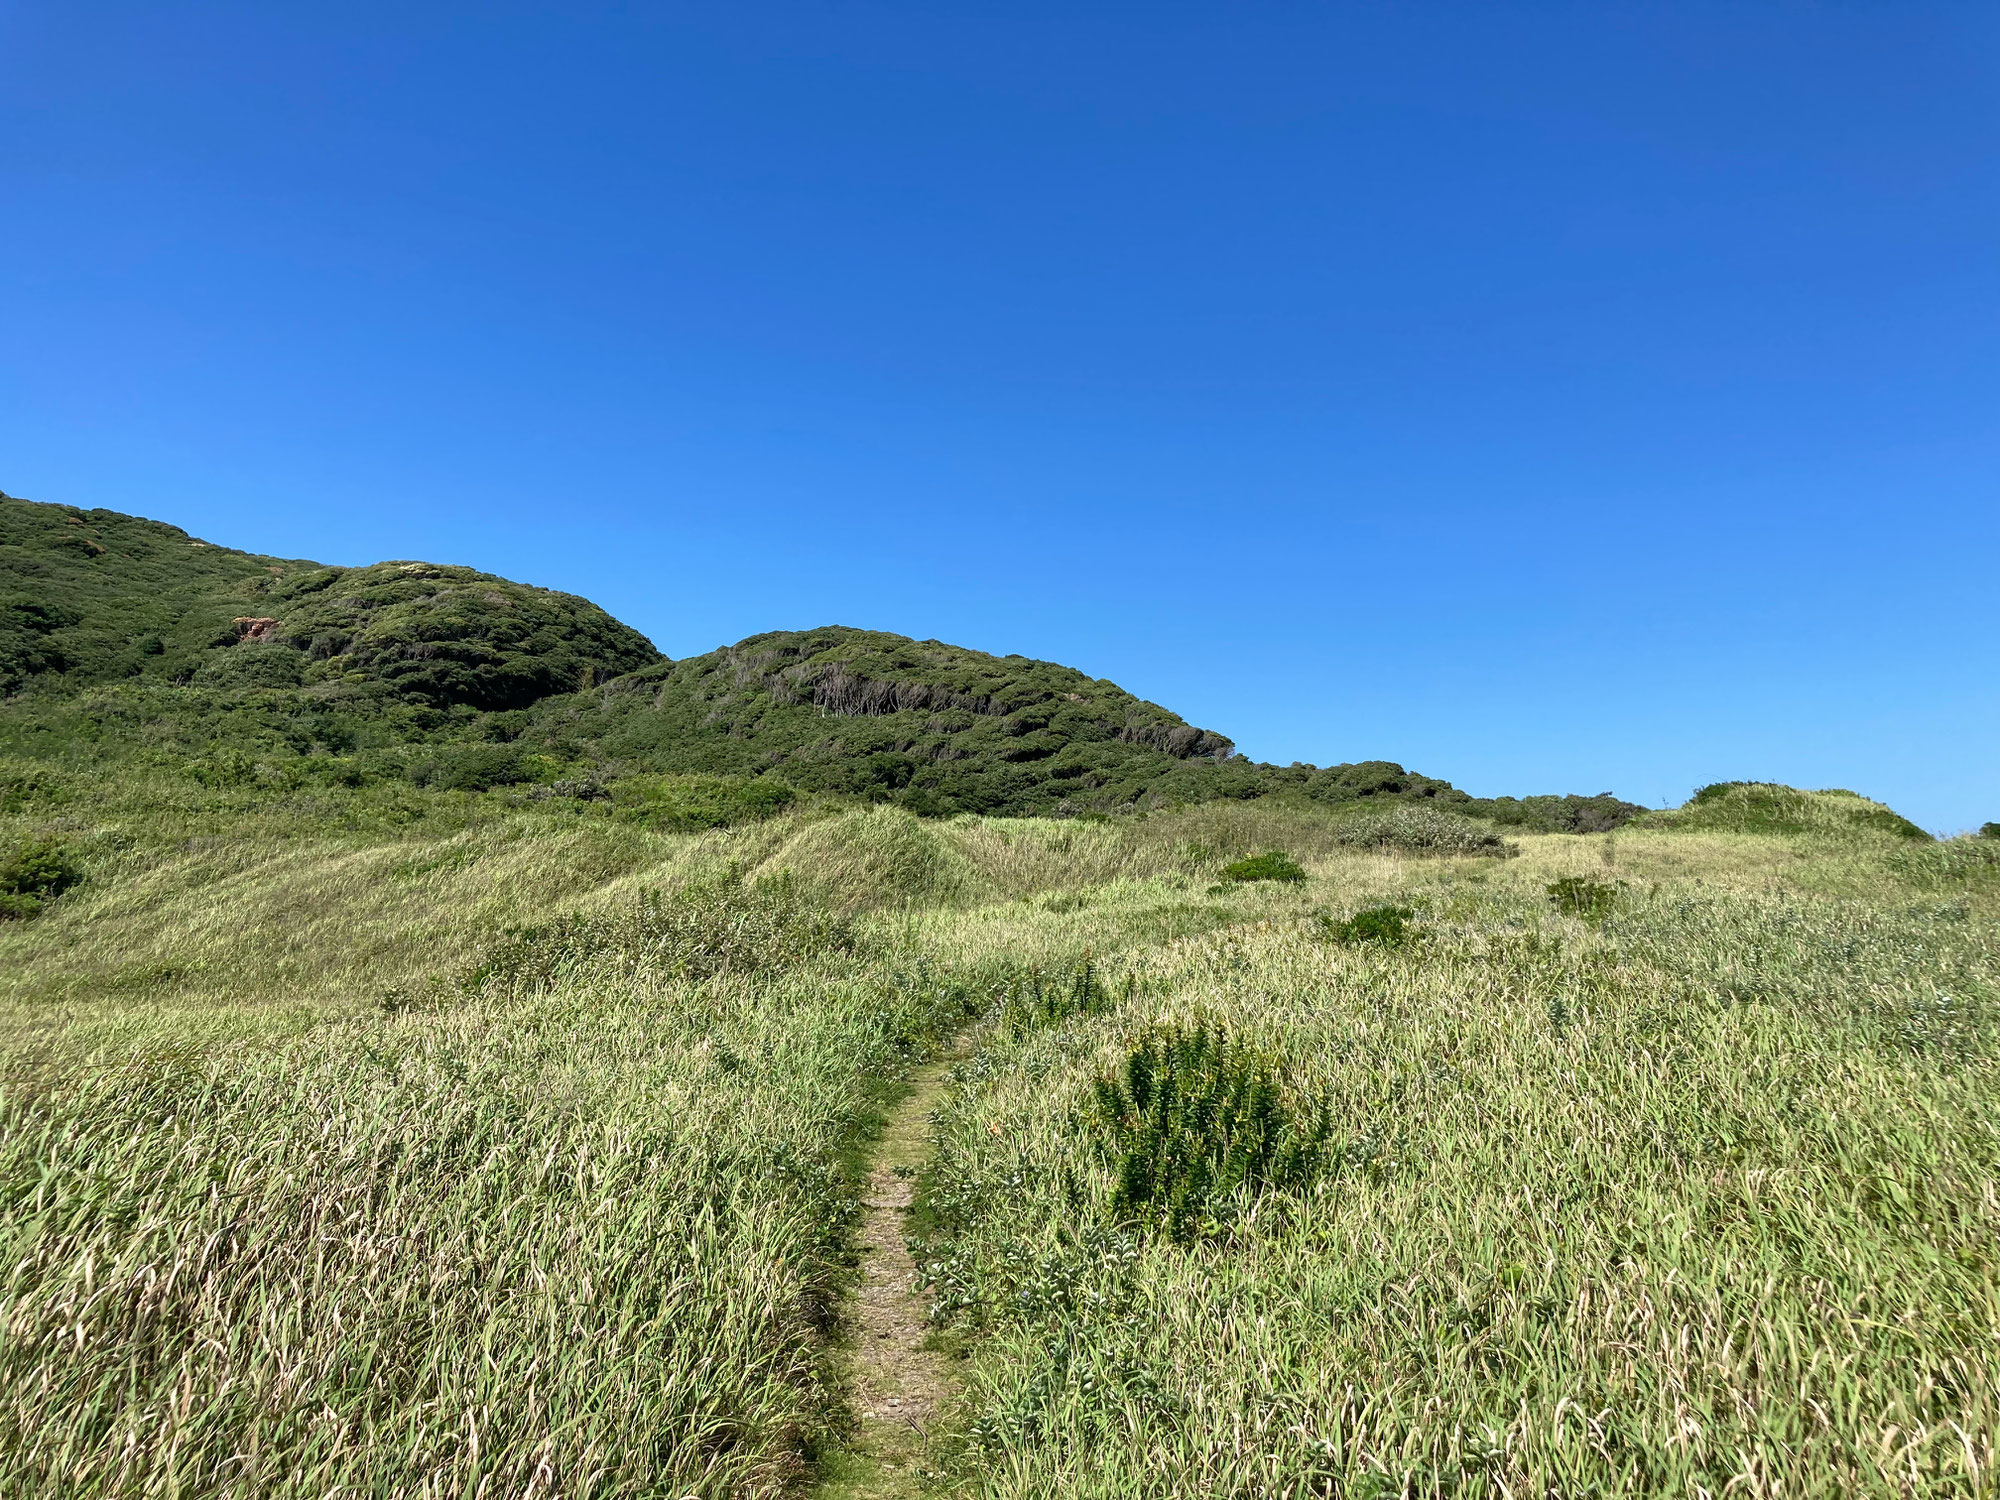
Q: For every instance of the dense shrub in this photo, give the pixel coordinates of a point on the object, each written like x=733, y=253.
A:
x=473, y=768
x=35, y=873
x=24, y=784
x=1579, y=896
x=1191, y=1122
x=1388, y=926
x=1989, y=830
x=691, y=804
x=1276, y=865
x=1566, y=814
x=1421, y=830
x=250, y=666
x=695, y=932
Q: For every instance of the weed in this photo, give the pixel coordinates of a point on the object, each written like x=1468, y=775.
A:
x=1387, y=925
x=1580, y=896
x=1193, y=1119
x=1421, y=830
x=701, y=930
x=1030, y=1000
x=36, y=873
x=1276, y=865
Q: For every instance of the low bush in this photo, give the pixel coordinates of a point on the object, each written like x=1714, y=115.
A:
x=1421, y=830
x=1388, y=926
x=1580, y=896
x=35, y=873
x=1989, y=830
x=1190, y=1123
x=473, y=768
x=693, y=804
x=1031, y=1000
x=1276, y=865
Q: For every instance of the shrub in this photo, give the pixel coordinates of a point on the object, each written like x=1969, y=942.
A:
x=472, y=768
x=1421, y=830
x=1191, y=1122
x=693, y=804
x=34, y=874
x=1579, y=896
x=1386, y=925
x=1989, y=830
x=24, y=784
x=1565, y=814
x=1030, y=1001
x=1276, y=865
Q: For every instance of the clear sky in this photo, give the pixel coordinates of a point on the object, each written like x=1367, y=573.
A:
x=1551, y=397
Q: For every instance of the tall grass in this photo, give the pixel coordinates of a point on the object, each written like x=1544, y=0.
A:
x=314, y=1180
x=1703, y=1203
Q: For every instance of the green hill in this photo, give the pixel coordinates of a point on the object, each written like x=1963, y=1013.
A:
x=121, y=636
x=96, y=596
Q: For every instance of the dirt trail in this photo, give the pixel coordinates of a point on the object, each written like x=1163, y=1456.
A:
x=897, y=1383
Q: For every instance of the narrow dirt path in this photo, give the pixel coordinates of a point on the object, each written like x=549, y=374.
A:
x=897, y=1383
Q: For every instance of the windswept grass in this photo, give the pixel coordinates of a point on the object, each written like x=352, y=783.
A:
x=1701, y=1200
x=412, y=1141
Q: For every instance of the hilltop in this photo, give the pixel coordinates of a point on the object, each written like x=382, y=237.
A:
x=120, y=634
x=99, y=597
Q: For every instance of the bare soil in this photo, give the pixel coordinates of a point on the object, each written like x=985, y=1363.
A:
x=897, y=1380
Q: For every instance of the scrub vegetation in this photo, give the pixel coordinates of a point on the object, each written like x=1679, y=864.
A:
x=403, y=1096
x=125, y=639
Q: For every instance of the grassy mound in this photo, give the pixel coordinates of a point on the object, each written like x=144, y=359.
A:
x=1767, y=808
x=877, y=856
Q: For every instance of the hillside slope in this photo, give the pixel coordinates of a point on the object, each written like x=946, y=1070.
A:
x=95, y=596
x=940, y=728
x=122, y=636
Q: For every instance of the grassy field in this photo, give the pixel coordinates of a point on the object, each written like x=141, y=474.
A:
x=394, y=1141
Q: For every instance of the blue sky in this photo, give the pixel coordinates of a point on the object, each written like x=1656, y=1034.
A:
x=1547, y=396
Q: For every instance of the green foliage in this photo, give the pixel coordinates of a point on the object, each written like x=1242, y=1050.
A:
x=936, y=729
x=35, y=873
x=1276, y=865
x=1989, y=830
x=1420, y=830
x=1031, y=1000
x=476, y=768
x=1387, y=925
x=689, y=804
x=101, y=597
x=185, y=644
x=1569, y=814
x=446, y=636
x=1192, y=1120
x=24, y=785
x=1579, y=896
